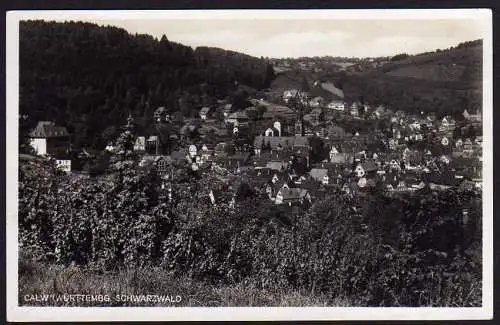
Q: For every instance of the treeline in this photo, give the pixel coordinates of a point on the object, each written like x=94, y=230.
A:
x=89, y=78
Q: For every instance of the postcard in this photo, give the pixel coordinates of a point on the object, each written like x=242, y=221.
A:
x=249, y=165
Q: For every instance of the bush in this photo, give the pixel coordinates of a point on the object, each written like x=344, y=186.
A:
x=406, y=251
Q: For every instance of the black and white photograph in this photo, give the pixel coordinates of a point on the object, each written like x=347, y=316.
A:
x=252, y=160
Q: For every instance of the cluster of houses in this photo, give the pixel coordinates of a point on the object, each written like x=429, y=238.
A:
x=275, y=154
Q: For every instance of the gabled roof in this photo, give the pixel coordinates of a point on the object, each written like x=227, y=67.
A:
x=204, y=110
x=283, y=142
x=276, y=165
x=160, y=110
x=369, y=166
x=47, y=129
x=292, y=194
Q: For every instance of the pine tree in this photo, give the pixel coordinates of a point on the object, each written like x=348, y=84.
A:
x=123, y=160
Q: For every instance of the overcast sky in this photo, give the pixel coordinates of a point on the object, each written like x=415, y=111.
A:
x=262, y=34
x=294, y=38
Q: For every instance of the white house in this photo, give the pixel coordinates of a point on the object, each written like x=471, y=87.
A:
x=47, y=138
x=292, y=93
x=477, y=117
x=415, y=125
x=64, y=165
x=333, y=153
x=337, y=105
x=140, y=143
x=204, y=112
x=394, y=164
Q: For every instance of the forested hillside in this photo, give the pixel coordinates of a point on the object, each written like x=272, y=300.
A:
x=444, y=81
x=89, y=78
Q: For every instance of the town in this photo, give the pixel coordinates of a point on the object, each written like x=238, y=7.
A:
x=298, y=149
x=148, y=166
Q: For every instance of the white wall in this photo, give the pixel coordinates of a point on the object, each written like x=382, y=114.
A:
x=40, y=146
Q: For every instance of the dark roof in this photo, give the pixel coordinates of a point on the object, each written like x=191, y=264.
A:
x=276, y=165
x=291, y=194
x=160, y=110
x=284, y=142
x=204, y=110
x=47, y=129
x=369, y=166
x=465, y=162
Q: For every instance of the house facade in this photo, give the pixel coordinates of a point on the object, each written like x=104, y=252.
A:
x=49, y=139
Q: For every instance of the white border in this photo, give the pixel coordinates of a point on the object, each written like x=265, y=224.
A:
x=16, y=313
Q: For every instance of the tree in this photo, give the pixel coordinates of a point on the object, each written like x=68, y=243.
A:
x=261, y=109
x=122, y=161
x=304, y=85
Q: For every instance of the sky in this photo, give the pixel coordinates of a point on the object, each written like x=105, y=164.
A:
x=307, y=37
x=296, y=33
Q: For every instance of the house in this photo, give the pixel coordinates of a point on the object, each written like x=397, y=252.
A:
x=294, y=93
x=350, y=188
x=235, y=161
x=237, y=118
x=220, y=195
x=394, y=164
x=473, y=117
x=204, y=112
x=274, y=130
x=279, y=143
x=339, y=158
x=336, y=105
x=161, y=114
x=379, y=111
x=413, y=158
x=163, y=165
x=316, y=101
x=367, y=168
x=52, y=140
x=49, y=139
x=292, y=196
x=152, y=144
x=354, y=110
x=364, y=184
x=140, y=143
x=415, y=125
x=228, y=108
x=277, y=165
x=63, y=164
x=447, y=123
x=470, y=167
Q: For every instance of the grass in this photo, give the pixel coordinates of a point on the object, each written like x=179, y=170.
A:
x=37, y=278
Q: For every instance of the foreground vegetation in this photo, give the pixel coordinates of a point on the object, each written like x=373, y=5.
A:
x=37, y=278
x=422, y=250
